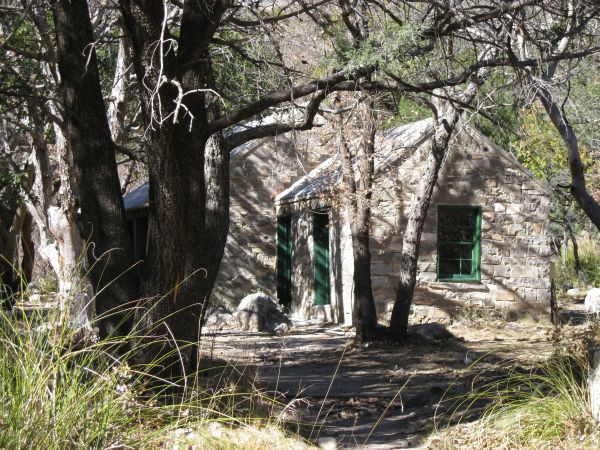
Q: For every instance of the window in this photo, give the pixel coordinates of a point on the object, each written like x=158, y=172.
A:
x=459, y=243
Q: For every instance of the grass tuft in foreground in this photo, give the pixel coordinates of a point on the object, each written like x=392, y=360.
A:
x=545, y=408
x=61, y=389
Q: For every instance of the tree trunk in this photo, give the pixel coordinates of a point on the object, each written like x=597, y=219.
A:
x=445, y=119
x=578, y=186
x=358, y=171
x=117, y=105
x=560, y=121
x=102, y=213
x=188, y=172
x=578, y=269
x=365, y=316
x=9, y=265
x=416, y=219
x=54, y=209
x=27, y=248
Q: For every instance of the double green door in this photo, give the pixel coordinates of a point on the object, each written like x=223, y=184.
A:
x=321, y=267
x=284, y=260
x=321, y=257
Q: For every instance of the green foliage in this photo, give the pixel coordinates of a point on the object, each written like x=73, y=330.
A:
x=541, y=149
x=406, y=111
x=243, y=79
x=384, y=47
x=500, y=122
x=387, y=47
x=589, y=257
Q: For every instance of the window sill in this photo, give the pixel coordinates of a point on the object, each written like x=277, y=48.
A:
x=459, y=285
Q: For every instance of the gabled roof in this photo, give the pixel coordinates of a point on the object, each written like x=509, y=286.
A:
x=393, y=146
x=483, y=139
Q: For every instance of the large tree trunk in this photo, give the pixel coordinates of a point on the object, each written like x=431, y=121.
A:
x=358, y=171
x=445, y=119
x=365, y=316
x=188, y=171
x=102, y=212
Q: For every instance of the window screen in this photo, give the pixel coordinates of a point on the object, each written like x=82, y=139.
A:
x=459, y=243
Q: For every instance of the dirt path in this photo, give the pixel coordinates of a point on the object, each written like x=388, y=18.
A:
x=382, y=396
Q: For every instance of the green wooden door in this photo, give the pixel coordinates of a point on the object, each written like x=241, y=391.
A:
x=284, y=260
x=321, y=258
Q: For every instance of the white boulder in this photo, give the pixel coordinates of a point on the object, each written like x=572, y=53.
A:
x=576, y=293
x=260, y=312
x=592, y=301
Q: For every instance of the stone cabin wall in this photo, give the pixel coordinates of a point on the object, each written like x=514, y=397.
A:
x=515, y=252
x=257, y=174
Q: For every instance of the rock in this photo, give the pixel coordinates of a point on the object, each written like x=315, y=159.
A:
x=432, y=332
x=260, y=312
x=216, y=429
x=327, y=443
x=594, y=384
x=281, y=329
x=218, y=317
x=592, y=301
x=576, y=293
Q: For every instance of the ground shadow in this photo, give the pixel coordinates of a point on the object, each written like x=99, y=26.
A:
x=382, y=396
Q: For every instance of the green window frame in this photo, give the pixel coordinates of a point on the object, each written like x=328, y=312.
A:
x=284, y=260
x=459, y=243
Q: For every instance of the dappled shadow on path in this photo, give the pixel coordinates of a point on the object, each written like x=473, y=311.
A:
x=385, y=396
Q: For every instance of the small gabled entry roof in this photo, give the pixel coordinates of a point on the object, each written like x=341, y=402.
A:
x=392, y=147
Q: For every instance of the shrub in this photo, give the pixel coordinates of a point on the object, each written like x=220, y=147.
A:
x=589, y=257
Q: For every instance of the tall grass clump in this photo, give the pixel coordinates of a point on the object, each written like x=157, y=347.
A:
x=53, y=396
x=589, y=257
x=63, y=389
x=547, y=407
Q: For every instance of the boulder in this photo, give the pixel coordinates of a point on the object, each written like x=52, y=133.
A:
x=327, y=443
x=260, y=312
x=218, y=317
x=577, y=294
x=592, y=301
x=432, y=332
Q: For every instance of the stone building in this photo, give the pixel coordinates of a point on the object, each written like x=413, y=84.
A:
x=259, y=170
x=484, y=241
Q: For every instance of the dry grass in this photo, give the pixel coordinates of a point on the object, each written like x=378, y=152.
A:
x=547, y=407
x=60, y=389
